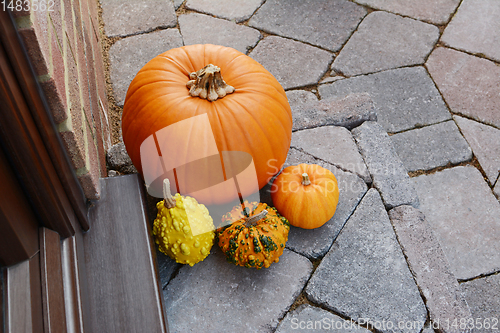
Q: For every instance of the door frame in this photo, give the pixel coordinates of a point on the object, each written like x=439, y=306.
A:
x=30, y=138
x=56, y=209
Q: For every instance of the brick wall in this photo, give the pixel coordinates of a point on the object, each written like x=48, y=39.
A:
x=64, y=44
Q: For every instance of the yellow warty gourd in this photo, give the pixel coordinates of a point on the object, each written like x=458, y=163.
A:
x=183, y=228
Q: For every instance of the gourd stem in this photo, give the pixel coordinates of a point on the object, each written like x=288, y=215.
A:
x=253, y=219
x=168, y=200
x=305, y=179
x=207, y=83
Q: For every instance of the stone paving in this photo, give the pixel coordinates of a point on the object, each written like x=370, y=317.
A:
x=400, y=99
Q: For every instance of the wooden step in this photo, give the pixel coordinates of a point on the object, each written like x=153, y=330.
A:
x=124, y=293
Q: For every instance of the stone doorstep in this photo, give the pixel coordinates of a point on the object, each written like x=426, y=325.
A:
x=167, y=266
x=431, y=291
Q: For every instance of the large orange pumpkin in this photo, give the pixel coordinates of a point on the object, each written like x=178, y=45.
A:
x=254, y=120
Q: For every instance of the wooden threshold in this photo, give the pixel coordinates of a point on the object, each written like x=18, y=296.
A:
x=123, y=288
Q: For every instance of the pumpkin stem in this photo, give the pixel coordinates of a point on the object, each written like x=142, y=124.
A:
x=207, y=83
x=253, y=219
x=305, y=179
x=168, y=200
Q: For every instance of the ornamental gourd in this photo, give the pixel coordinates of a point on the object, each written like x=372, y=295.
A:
x=183, y=229
x=256, y=236
x=246, y=107
x=306, y=194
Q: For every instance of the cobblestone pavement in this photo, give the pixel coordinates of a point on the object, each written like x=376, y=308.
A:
x=400, y=99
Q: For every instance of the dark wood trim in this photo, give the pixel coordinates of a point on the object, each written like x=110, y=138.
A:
x=19, y=226
x=23, y=300
x=54, y=314
x=2, y=300
x=30, y=137
x=47, y=292
x=36, y=294
x=75, y=291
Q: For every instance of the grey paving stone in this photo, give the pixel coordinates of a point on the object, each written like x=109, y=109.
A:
x=166, y=267
x=365, y=275
x=292, y=63
x=127, y=56
x=299, y=98
x=496, y=189
x=429, y=266
x=203, y=29
x=333, y=144
x=234, y=10
x=300, y=103
x=178, y=3
x=470, y=85
x=349, y=112
x=314, y=243
x=465, y=217
x=433, y=11
x=485, y=143
x=388, y=172
x=382, y=42
x=432, y=146
x=483, y=296
x=217, y=296
x=386, y=41
x=475, y=28
x=123, y=18
x=307, y=318
x=404, y=98
x=325, y=23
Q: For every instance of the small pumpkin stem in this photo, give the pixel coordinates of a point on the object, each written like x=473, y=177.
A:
x=305, y=179
x=207, y=83
x=168, y=200
x=253, y=219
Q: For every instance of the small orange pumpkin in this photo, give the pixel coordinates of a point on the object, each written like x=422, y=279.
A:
x=246, y=108
x=306, y=194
